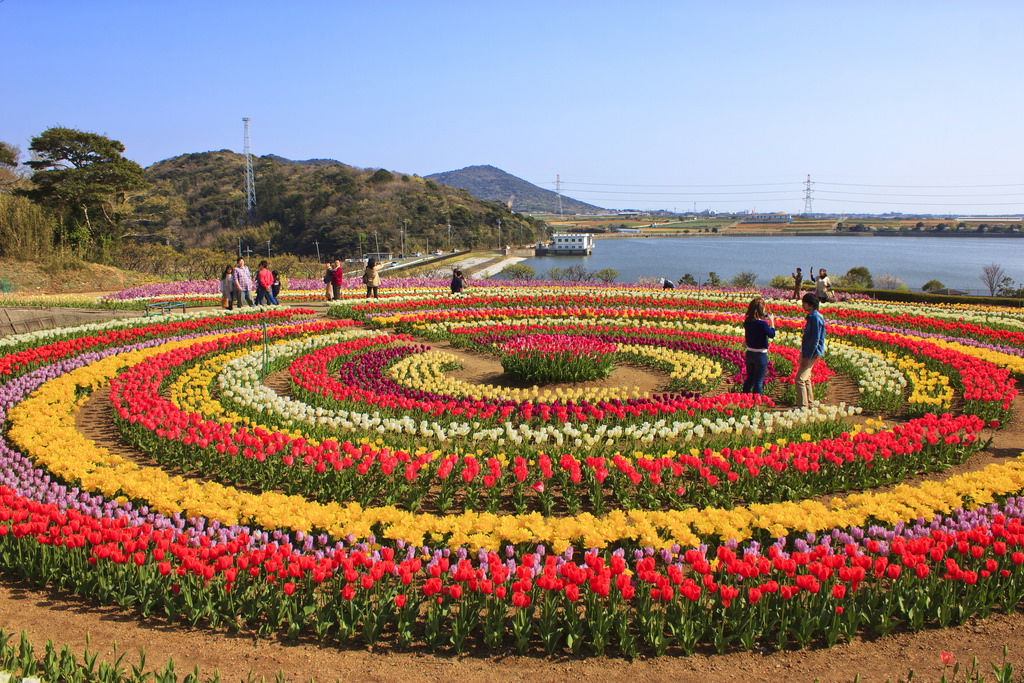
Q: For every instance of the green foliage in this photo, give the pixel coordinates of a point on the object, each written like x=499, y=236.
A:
x=781, y=282
x=348, y=211
x=576, y=273
x=859, y=277
x=713, y=279
x=932, y=285
x=382, y=175
x=606, y=275
x=744, y=279
x=518, y=271
x=688, y=279
x=61, y=263
x=8, y=155
x=84, y=179
x=26, y=231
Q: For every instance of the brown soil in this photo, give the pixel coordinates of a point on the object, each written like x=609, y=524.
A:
x=66, y=619
x=28, y=277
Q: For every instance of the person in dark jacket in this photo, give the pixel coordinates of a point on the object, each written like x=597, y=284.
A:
x=275, y=288
x=458, y=282
x=758, y=328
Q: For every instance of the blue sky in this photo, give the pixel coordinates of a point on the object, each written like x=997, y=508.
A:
x=644, y=100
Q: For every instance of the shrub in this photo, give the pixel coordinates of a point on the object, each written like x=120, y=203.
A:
x=859, y=277
x=744, y=279
x=518, y=271
x=932, y=285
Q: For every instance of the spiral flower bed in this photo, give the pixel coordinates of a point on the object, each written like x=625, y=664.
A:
x=337, y=478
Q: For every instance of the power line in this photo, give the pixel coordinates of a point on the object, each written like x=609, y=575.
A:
x=911, y=194
x=864, y=201
x=655, y=185
x=684, y=194
x=920, y=187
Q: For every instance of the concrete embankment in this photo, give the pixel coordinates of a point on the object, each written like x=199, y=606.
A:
x=16, y=320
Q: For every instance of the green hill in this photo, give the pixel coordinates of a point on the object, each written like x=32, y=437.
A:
x=495, y=185
x=197, y=200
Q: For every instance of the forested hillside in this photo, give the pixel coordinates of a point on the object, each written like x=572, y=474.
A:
x=197, y=200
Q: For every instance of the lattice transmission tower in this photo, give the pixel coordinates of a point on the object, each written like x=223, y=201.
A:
x=250, y=181
x=808, y=195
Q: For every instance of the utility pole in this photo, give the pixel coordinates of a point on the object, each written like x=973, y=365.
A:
x=499, y=234
x=405, y=226
x=449, y=234
x=317, y=251
x=558, y=189
x=248, y=252
x=239, y=247
x=268, y=248
x=376, y=243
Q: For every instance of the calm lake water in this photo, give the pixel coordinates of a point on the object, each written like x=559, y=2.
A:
x=954, y=261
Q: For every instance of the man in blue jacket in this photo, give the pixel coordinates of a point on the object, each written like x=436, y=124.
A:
x=812, y=347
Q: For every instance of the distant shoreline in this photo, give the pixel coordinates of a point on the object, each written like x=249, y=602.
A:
x=789, y=235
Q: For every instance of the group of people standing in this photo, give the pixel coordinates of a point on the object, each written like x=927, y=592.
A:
x=334, y=280
x=759, y=327
x=237, y=285
x=822, y=285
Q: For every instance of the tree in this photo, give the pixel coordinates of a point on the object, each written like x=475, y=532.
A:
x=1007, y=287
x=858, y=277
x=992, y=276
x=9, y=176
x=932, y=285
x=577, y=273
x=518, y=271
x=606, y=274
x=744, y=279
x=713, y=279
x=688, y=279
x=84, y=178
x=8, y=155
x=781, y=282
x=887, y=281
x=381, y=175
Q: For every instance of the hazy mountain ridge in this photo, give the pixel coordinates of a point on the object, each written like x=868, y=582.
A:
x=495, y=185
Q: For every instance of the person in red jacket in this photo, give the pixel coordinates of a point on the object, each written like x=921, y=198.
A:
x=264, y=282
x=337, y=279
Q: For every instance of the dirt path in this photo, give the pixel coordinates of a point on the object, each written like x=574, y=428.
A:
x=65, y=619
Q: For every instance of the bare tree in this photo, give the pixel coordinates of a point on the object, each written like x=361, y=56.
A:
x=993, y=275
x=886, y=281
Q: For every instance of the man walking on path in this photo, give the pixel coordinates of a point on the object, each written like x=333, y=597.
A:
x=265, y=280
x=812, y=347
x=243, y=283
